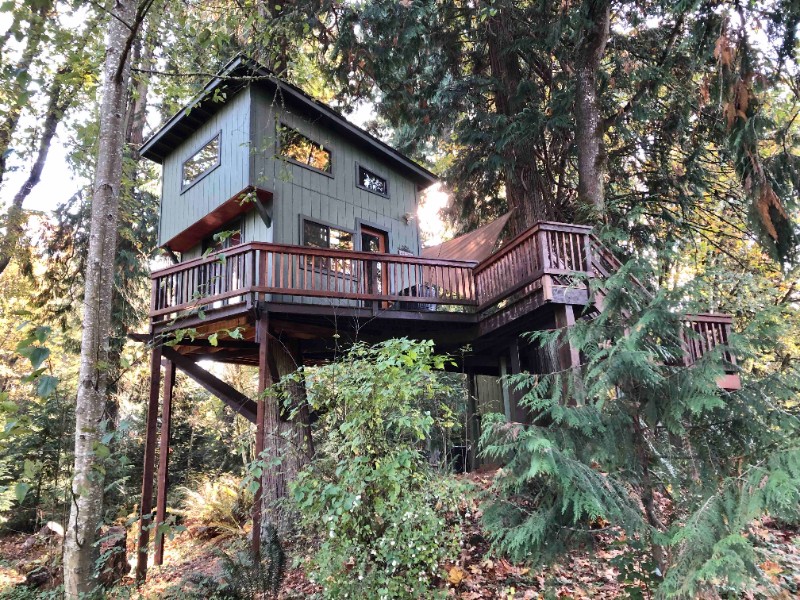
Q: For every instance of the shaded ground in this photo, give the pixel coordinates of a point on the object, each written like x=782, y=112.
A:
x=192, y=565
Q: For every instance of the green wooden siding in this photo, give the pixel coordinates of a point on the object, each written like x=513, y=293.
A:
x=335, y=199
x=180, y=209
x=249, y=156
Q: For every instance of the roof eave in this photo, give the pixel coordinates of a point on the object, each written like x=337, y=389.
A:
x=149, y=149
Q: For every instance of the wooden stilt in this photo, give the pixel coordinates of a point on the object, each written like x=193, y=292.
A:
x=473, y=423
x=518, y=413
x=264, y=381
x=163, y=461
x=568, y=356
x=504, y=388
x=146, y=506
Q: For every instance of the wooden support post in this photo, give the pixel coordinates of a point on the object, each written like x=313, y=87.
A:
x=504, y=388
x=264, y=381
x=473, y=423
x=518, y=413
x=146, y=505
x=163, y=461
x=568, y=356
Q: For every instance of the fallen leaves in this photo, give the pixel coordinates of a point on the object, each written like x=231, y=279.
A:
x=456, y=575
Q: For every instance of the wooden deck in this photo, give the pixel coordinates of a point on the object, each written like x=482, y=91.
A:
x=549, y=263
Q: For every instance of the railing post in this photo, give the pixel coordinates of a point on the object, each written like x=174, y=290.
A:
x=543, y=249
x=587, y=246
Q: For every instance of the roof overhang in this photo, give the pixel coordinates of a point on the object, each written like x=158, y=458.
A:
x=241, y=203
x=241, y=72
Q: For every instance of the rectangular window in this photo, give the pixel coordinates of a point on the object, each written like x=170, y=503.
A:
x=318, y=235
x=201, y=163
x=297, y=147
x=367, y=180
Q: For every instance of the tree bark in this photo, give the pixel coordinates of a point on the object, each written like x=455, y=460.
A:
x=15, y=217
x=522, y=195
x=288, y=440
x=588, y=119
x=87, y=486
x=19, y=91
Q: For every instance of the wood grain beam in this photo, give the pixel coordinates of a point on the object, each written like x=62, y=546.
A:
x=229, y=395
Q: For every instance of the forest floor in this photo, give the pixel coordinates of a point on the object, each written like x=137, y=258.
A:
x=192, y=562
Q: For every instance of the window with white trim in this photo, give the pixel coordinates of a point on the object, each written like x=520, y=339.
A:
x=201, y=162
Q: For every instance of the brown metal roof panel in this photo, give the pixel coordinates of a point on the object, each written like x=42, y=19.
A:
x=475, y=246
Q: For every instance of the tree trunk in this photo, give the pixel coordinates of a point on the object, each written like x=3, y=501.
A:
x=15, y=217
x=290, y=440
x=588, y=120
x=522, y=192
x=19, y=91
x=87, y=485
x=647, y=494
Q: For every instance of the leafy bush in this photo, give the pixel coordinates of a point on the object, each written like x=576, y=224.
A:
x=221, y=503
x=376, y=504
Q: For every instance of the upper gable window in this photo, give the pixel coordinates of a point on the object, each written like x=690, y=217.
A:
x=299, y=148
x=201, y=163
x=371, y=182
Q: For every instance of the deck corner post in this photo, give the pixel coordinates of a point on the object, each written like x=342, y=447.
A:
x=544, y=250
x=473, y=423
x=146, y=505
x=163, y=461
x=264, y=381
x=587, y=245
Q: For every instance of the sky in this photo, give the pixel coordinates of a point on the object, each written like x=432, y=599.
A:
x=58, y=183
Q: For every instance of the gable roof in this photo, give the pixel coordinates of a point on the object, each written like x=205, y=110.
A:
x=241, y=72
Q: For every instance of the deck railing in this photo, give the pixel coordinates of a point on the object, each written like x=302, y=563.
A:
x=284, y=273
x=544, y=249
x=703, y=333
x=260, y=268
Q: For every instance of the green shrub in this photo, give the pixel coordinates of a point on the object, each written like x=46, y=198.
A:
x=219, y=503
x=380, y=510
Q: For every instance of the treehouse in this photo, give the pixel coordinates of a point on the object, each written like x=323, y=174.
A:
x=291, y=228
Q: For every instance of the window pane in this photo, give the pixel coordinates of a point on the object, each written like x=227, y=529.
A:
x=298, y=147
x=374, y=183
x=341, y=240
x=227, y=237
x=315, y=235
x=205, y=158
x=322, y=236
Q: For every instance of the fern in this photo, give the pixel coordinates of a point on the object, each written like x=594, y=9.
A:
x=249, y=579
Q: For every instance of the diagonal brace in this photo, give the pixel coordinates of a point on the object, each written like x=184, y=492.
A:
x=229, y=395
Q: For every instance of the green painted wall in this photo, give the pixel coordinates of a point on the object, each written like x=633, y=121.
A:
x=247, y=125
